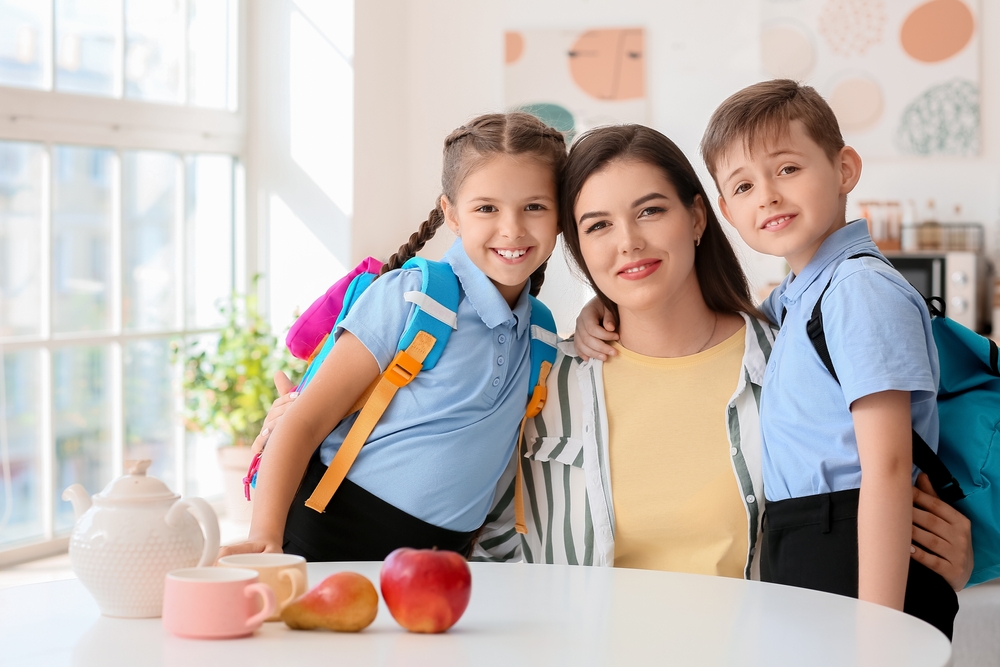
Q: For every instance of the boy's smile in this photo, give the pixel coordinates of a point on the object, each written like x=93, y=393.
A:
x=788, y=196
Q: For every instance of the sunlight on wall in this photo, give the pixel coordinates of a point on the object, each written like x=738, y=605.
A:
x=293, y=246
x=321, y=85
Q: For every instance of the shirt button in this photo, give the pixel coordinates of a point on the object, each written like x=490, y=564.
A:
x=750, y=498
x=499, y=361
x=496, y=382
x=732, y=451
x=501, y=339
x=753, y=550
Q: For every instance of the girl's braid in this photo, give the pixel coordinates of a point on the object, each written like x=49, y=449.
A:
x=537, y=278
x=417, y=240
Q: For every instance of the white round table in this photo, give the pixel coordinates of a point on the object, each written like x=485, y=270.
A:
x=519, y=615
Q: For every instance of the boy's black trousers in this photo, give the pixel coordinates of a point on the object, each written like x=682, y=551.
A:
x=358, y=525
x=812, y=542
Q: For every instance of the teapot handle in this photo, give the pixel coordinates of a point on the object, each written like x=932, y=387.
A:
x=205, y=515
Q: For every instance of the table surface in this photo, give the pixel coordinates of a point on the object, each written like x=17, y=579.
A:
x=519, y=615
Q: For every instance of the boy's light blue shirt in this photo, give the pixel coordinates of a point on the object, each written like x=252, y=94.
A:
x=446, y=438
x=879, y=335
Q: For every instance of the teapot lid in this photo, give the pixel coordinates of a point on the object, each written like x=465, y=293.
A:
x=135, y=485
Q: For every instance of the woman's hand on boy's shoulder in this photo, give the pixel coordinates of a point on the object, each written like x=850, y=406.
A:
x=595, y=327
x=943, y=536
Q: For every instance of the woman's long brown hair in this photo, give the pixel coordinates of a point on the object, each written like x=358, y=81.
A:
x=723, y=284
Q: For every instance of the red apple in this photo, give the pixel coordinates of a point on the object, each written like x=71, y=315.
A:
x=345, y=602
x=426, y=590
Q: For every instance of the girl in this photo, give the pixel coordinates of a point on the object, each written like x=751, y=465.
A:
x=652, y=458
x=426, y=475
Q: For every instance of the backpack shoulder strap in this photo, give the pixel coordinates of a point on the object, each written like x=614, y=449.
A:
x=814, y=327
x=436, y=306
x=543, y=356
x=543, y=347
x=942, y=480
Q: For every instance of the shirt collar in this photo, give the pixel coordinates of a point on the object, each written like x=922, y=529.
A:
x=483, y=295
x=843, y=242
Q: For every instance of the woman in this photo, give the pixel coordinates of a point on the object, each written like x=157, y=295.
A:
x=670, y=422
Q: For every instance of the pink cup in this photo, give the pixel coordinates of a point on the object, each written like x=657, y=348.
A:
x=215, y=602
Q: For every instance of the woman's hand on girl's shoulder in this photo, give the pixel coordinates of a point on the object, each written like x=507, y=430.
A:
x=943, y=536
x=285, y=398
x=595, y=326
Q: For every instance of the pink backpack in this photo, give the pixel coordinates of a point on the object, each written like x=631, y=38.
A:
x=309, y=331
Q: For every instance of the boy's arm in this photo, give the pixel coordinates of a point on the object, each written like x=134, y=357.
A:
x=883, y=429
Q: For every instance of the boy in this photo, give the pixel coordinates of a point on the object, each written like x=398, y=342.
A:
x=777, y=156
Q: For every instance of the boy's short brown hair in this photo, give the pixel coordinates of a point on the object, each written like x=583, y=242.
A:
x=762, y=113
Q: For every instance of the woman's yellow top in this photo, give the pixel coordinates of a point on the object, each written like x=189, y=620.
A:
x=676, y=498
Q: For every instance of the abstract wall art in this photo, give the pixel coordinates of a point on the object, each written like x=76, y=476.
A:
x=577, y=79
x=901, y=75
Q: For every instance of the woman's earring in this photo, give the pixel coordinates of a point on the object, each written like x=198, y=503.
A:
x=697, y=241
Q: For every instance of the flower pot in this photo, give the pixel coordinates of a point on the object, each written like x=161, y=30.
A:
x=234, y=461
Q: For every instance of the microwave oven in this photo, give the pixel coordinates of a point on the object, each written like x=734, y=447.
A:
x=962, y=279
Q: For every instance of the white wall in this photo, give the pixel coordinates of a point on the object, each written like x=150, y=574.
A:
x=299, y=152
x=425, y=67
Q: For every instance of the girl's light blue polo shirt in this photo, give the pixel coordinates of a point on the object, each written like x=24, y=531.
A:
x=446, y=437
x=879, y=335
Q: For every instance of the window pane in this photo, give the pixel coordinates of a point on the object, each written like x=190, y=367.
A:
x=209, y=68
x=81, y=416
x=154, y=40
x=23, y=405
x=86, y=41
x=81, y=238
x=203, y=473
x=149, y=407
x=149, y=244
x=209, y=238
x=24, y=43
x=20, y=238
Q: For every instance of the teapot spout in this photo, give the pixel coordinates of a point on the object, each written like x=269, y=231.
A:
x=77, y=495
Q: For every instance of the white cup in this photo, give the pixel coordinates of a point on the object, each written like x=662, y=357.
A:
x=285, y=573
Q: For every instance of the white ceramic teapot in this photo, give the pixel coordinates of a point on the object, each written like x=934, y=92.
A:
x=135, y=531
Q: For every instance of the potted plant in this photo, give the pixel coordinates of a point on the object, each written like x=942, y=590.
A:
x=229, y=387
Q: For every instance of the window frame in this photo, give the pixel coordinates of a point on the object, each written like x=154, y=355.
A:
x=51, y=118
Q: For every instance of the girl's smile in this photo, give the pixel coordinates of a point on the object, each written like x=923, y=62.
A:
x=512, y=255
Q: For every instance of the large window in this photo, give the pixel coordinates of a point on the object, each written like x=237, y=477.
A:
x=120, y=187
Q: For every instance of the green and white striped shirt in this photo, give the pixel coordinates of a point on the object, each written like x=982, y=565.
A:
x=568, y=496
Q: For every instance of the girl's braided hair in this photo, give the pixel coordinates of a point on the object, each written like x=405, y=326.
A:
x=469, y=147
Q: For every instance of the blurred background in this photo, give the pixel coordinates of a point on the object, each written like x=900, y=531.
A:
x=156, y=155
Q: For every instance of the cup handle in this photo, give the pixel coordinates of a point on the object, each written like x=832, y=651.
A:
x=205, y=515
x=270, y=604
x=298, y=582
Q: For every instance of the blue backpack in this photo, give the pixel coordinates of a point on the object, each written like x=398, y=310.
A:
x=965, y=471
x=420, y=347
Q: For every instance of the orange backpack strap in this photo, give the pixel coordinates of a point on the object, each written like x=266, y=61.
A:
x=535, y=405
x=400, y=372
